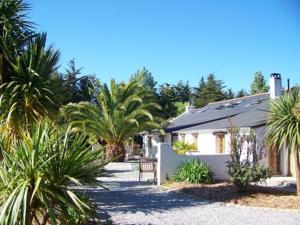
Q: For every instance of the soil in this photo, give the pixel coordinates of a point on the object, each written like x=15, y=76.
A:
x=255, y=195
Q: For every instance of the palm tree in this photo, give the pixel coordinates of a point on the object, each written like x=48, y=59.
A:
x=37, y=173
x=15, y=32
x=284, y=126
x=116, y=115
x=28, y=97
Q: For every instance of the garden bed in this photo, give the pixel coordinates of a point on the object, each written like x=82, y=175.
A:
x=256, y=196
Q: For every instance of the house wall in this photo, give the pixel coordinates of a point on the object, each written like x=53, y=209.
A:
x=150, y=151
x=168, y=138
x=206, y=145
x=169, y=161
x=155, y=139
x=207, y=141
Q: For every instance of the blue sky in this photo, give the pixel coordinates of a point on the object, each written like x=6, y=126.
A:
x=175, y=40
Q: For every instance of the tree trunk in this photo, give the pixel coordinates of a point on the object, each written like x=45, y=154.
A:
x=297, y=170
x=29, y=215
x=1, y=58
x=115, y=152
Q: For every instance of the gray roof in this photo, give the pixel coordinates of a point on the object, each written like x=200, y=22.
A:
x=249, y=111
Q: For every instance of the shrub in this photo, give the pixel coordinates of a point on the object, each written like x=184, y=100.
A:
x=37, y=173
x=243, y=168
x=243, y=175
x=194, y=172
x=182, y=148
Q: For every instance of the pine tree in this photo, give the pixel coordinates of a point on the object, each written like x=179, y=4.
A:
x=77, y=87
x=259, y=84
x=200, y=92
x=71, y=79
x=145, y=77
x=183, y=92
x=230, y=94
x=241, y=93
x=209, y=91
x=167, y=98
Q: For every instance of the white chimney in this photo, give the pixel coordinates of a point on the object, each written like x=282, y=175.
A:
x=275, y=85
x=189, y=108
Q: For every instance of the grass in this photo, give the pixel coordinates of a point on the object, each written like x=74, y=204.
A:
x=256, y=196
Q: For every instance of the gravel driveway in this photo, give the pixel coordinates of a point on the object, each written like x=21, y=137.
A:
x=131, y=202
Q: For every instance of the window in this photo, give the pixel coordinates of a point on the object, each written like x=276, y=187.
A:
x=182, y=137
x=195, y=139
x=221, y=143
x=174, y=137
x=161, y=138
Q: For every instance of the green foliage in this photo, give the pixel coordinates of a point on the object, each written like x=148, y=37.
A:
x=194, y=172
x=75, y=87
x=119, y=112
x=15, y=32
x=181, y=147
x=180, y=107
x=166, y=98
x=173, y=97
x=243, y=175
x=241, y=93
x=243, y=168
x=29, y=96
x=229, y=94
x=36, y=173
x=145, y=78
x=259, y=84
x=284, y=126
x=209, y=91
x=183, y=92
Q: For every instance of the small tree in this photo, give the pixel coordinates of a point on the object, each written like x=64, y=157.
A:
x=120, y=111
x=245, y=155
x=259, y=84
x=209, y=90
x=241, y=93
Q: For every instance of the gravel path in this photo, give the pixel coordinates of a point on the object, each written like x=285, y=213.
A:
x=131, y=202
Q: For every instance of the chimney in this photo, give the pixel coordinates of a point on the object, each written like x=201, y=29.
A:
x=275, y=85
x=189, y=108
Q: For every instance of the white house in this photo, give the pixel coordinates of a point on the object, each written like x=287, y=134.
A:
x=206, y=127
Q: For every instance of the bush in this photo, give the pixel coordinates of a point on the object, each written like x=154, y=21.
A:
x=181, y=147
x=244, y=168
x=243, y=175
x=194, y=172
x=38, y=173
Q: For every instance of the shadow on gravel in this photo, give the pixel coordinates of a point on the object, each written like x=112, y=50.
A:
x=127, y=184
x=111, y=173
x=140, y=200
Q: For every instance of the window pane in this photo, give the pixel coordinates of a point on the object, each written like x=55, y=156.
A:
x=222, y=143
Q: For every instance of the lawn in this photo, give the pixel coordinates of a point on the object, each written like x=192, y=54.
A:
x=256, y=196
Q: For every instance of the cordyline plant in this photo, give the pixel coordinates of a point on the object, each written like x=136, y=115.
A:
x=284, y=126
x=15, y=32
x=36, y=174
x=28, y=96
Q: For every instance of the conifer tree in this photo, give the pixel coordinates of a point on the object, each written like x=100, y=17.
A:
x=259, y=85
